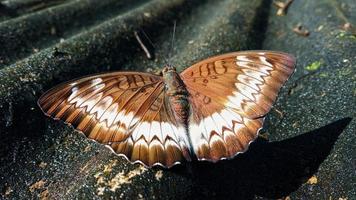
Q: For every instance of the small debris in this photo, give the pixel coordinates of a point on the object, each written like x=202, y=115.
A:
x=347, y=26
x=121, y=178
x=44, y=195
x=343, y=198
x=314, y=66
x=99, y=178
x=345, y=35
x=280, y=113
x=300, y=30
x=320, y=28
x=108, y=167
x=313, y=180
x=295, y=125
x=159, y=175
x=7, y=191
x=42, y=165
x=264, y=135
x=53, y=30
x=146, y=49
x=104, y=182
x=140, y=196
x=191, y=42
x=100, y=191
x=322, y=94
x=323, y=75
x=87, y=148
x=147, y=14
x=37, y=186
x=282, y=7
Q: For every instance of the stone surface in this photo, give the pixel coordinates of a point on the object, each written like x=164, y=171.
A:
x=306, y=151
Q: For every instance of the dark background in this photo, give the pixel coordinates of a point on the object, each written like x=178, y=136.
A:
x=309, y=135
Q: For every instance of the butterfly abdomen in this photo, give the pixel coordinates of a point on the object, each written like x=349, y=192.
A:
x=180, y=106
x=177, y=95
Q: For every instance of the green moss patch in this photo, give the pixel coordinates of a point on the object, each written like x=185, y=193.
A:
x=314, y=66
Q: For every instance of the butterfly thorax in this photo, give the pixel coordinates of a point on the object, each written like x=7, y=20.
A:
x=177, y=94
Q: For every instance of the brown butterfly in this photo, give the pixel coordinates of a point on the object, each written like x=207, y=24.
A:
x=211, y=111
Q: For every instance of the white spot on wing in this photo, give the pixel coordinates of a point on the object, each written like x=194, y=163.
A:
x=167, y=130
x=253, y=73
x=243, y=58
x=249, y=81
x=237, y=127
x=155, y=131
x=141, y=130
x=196, y=135
x=264, y=61
x=219, y=121
x=130, y=119
x=90, y=103
x=73, y=94
x=96, y=81
x=245, y=90
x=183, y=137
x=210, y=125
x=101, y=106
x=73, y=84
x=200, y=132
x=235, y=100
x=80, y=99
x=110, y=114
x=252, y=65
x=215, y=138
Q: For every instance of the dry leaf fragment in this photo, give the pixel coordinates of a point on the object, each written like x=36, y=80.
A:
x=38, y=185
x=282, y=7
x=313, y=180
x=42, y=165
x=300, y=30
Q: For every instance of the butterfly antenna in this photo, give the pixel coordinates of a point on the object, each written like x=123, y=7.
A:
x=172, y=43
x=153, y=45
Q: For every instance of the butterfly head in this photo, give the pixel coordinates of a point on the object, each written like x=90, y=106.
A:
x=168, y=70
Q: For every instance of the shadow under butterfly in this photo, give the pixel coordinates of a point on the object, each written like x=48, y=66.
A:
x=268, y=169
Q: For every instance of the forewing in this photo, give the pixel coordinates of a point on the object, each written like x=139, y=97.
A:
x=230, y=95
x=118, y=109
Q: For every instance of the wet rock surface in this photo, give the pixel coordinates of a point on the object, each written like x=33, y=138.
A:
x=307, y=148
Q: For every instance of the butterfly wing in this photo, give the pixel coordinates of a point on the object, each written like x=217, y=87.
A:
x=127, y=111
x=230, y=94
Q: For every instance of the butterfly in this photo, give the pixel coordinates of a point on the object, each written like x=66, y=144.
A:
x=211, y=111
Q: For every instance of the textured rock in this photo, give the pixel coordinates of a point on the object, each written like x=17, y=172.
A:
x=45, y=44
